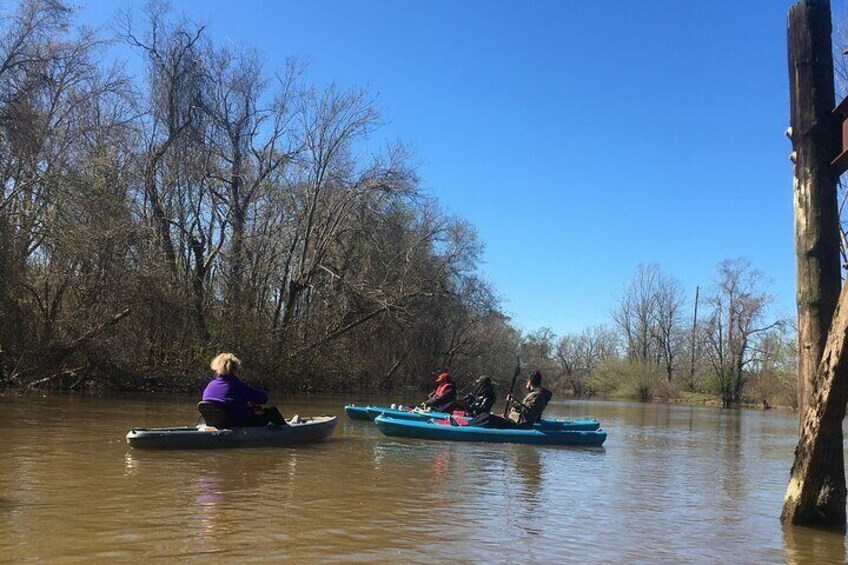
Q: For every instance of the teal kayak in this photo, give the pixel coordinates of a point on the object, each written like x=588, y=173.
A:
x=397, y=427
x=355, y=412
x=412, y=414
x=370, y=412
x=578, y=424
x=298, y=431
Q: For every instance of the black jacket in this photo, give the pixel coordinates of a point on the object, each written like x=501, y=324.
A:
x=482, y=399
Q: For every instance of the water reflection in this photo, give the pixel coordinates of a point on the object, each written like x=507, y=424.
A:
x=223, y=485
x=804, y=545
x=526, y=466
x=729, y=435
x=673, y=484
x=218, y=494
x=209, y=501
x=130, y=463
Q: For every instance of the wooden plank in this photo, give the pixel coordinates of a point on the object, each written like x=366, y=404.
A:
x=840, y=164
x=841, y=110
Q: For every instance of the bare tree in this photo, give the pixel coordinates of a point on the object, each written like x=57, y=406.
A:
x=144, y=226
x=635, y=315
x=63, y=163
x=773, y=368
x=172, y=114
x=327, y=186
x=580, y=354
x=739, y=307
x=253, y=139
x=668, y=330
x=538, y=351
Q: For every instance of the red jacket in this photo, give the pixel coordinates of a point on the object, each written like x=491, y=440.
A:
x=441, y=398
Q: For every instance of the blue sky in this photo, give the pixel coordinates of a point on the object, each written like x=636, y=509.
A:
x=580, y=138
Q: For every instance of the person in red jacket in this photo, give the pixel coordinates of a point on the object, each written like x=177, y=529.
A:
x=444, y=397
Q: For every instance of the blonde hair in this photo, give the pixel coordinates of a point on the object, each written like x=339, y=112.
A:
x=225, y=363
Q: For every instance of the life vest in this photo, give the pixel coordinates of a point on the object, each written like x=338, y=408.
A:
x=441, y=389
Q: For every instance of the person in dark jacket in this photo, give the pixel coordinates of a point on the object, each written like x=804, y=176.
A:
x=483, y=397
x=524, y=413
x=528, y=411
x=444, y=397
x=242, y=402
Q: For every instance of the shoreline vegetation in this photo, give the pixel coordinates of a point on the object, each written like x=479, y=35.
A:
x=213, y=204
x=407, y=394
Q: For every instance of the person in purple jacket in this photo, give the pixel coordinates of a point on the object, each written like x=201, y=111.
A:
x=242, y=402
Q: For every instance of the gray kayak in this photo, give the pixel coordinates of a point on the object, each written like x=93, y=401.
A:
x=299, y=431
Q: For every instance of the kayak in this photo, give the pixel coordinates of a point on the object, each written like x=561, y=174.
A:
x=397, y=427
x=297, y=432
x=578, y=424
x=370, y=412
x=355, y=412
x=413, y=414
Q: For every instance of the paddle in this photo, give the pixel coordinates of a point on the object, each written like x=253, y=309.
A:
x=512, y=386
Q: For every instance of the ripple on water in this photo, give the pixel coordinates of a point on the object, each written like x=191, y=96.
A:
x=673, y=484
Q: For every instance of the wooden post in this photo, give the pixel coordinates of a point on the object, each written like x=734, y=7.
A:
x=816, y=492
x=694, y=341
x=815, y=141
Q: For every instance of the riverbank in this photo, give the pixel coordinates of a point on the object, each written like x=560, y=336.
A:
x=406, y=394
x=697, y=399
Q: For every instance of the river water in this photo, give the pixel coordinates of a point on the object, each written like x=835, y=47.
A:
x=672, y=484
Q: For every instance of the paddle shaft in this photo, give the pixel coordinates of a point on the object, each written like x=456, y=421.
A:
x=512, y=386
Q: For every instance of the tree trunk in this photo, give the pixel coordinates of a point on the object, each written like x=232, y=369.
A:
x=816, y=492
x=198, y=248
x=815, y=140
x=160, y=218
x=238, y=219
x=739, y=378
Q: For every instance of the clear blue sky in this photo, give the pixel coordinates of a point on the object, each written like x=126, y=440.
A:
x=580, y=138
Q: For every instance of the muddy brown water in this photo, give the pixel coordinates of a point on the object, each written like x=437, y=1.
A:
x=672, y=484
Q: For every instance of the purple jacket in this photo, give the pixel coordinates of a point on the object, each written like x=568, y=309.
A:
x=235, y=395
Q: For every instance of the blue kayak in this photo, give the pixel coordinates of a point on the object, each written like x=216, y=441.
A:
x=371, y=412
x=397, y=427
x=355, y=412
x=413, y=414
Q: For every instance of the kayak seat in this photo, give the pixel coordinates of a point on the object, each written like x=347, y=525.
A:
x=213, y=413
